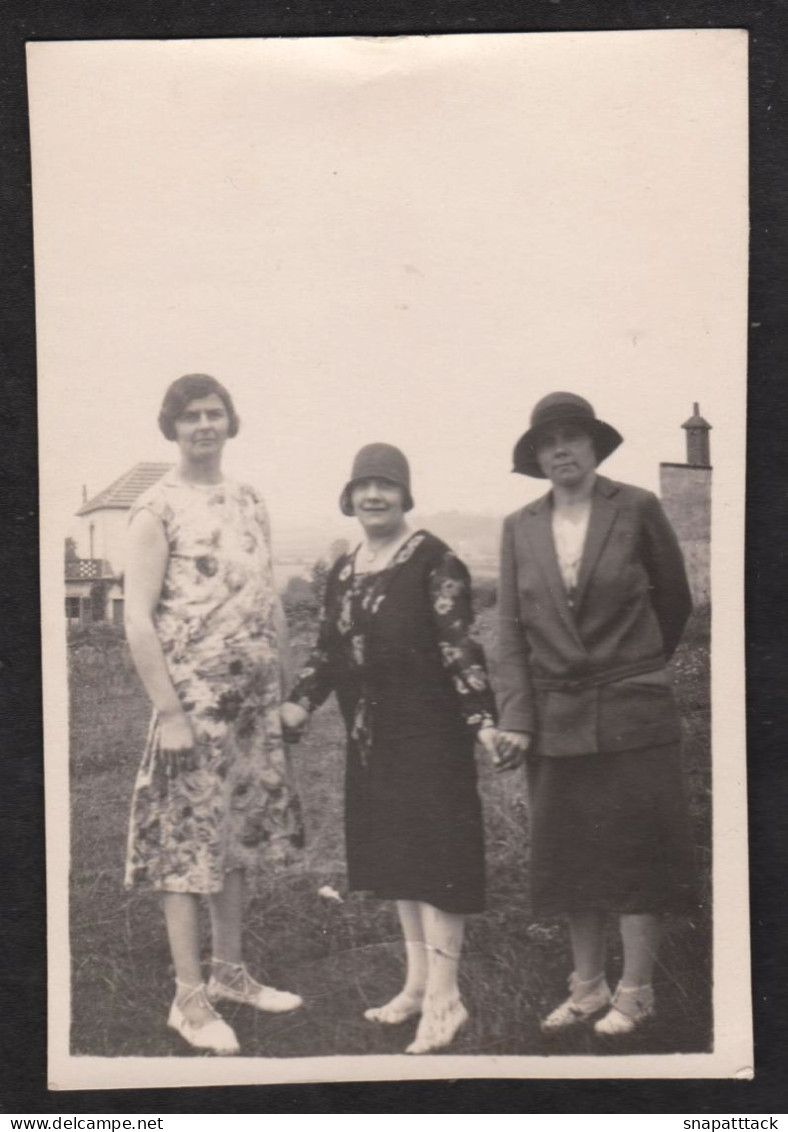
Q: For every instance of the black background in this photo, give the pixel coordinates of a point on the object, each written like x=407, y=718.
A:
x=22, y=883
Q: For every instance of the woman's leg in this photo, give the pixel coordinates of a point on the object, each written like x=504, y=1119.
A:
x=408, y=1002
x=589, y=992
x=409, y=912
x=633, y=1002
x=226, y=909
x=587, y=934
x=641, y=936
x=229, y=977
x=443, y=1012
x=181, y=911
x=443, y=933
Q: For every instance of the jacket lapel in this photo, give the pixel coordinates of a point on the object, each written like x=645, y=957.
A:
x=603, y=515
x=539, y=531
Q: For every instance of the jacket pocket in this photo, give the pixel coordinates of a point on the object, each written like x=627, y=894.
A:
x=639, y=711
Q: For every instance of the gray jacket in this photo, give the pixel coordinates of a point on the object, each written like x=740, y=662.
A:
x=590, y=677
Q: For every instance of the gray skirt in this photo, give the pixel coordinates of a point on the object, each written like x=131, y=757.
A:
x=610, y=831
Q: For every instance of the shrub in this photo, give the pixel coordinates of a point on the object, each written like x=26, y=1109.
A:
x=300, y=601
x=102, y=635
x=698, y=630
x=318, y=579
x=485, y=593
x=99, y=661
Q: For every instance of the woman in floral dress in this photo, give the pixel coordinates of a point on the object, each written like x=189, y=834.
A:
x=395, y=647
x=212, y=803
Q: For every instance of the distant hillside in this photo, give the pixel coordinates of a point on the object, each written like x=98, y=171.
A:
x=474, y=537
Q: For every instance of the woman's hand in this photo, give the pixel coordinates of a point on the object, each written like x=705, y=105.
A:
x=175, y=731
x=511, y=749
x=293, y=718
x=178, y=748
x=488, y=739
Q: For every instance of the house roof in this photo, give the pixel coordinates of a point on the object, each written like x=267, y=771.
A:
x=120, y=495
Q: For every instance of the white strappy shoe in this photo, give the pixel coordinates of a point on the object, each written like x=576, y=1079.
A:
x=629, y=1009
x=403, y=1006
x=246, y=990
x=585, y=1000
x=441, y=1022
x=214, y=1035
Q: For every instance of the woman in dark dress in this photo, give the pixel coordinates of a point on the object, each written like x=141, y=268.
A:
x=593, y=601
x=395, y=647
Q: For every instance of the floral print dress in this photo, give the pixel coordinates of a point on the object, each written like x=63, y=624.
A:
x=233, y=806
x=396, y=648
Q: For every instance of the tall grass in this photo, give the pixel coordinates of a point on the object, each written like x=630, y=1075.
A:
x=343, y=957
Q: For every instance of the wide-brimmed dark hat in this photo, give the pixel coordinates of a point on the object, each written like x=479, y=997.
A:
x=378, y=461
x=562, y=409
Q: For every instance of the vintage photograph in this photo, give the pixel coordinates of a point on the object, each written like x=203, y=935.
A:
x=392, y=401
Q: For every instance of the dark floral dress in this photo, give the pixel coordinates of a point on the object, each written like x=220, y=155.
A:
x=396, y=648
x=235, y=808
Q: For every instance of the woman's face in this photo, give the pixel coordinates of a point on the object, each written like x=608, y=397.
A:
x=566, y=455
x=202, y=428
x=378, y=506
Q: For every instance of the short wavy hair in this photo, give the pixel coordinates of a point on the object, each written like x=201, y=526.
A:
x=189, y=388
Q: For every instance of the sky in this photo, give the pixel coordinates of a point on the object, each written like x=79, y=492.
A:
x=409, y=240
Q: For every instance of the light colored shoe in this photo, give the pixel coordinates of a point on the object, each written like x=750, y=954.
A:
x=586, y=999
x=630, y=1008
x=440, y=1023
x=246, y=990
x=403, y=1006
x=214, y=1035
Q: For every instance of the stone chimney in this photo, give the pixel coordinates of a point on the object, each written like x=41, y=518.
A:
x=698, y=447
x=686, y=497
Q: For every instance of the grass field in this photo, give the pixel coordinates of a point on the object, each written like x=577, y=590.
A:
x=344, y=957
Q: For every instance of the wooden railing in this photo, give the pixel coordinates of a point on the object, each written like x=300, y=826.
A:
x=86, y=569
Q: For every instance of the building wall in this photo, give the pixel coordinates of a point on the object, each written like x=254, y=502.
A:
x=79, y=606
x=109, y=536
x=686, y=497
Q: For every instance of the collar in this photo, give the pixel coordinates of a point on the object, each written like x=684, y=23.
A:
x=602, y=486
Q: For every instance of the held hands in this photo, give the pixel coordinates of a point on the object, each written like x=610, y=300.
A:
x=504, y=754
x=294, y=719
x=511, y=748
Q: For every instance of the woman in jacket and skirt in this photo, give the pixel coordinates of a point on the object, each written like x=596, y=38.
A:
x=593, y=601
x=395, y=646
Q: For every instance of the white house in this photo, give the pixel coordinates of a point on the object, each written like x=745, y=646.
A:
x=94, y=576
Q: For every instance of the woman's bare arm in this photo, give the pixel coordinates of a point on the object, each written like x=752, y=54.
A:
x=146, y=563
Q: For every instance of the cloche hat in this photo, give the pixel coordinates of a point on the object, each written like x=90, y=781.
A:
x=378, y=461
x=562, y=409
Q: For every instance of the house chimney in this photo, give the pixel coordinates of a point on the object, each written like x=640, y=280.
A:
x=698, y=447
x=84, y=493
